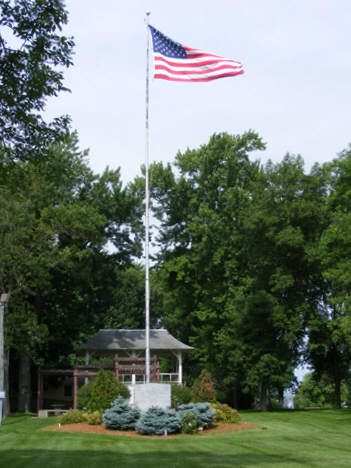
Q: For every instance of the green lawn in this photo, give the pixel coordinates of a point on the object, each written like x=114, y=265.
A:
x=301, y=438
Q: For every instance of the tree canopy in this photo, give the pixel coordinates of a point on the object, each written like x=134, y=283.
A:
x=32, y=53
x=248, y=261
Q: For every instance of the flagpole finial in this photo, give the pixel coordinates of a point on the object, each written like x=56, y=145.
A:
x=148, y=13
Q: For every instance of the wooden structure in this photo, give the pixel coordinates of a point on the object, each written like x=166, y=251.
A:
x=53, y=373
x=128, y=349
x=121, y=366
x=131, y=343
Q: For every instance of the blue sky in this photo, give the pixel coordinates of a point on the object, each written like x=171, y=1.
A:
x=295, y=91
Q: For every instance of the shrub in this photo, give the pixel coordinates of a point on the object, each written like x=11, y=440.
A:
x=123, y=390
x=71, y=417
x=121, y=416
x=203, y=390
x=84, y=394
x=189, y=423
x=180, y=395
x=157, y=420
x=225, y=414
x=94, y=419
x=105, y=391
x=204, y=414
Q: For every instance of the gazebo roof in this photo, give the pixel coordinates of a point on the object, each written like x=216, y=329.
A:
x=107, y=342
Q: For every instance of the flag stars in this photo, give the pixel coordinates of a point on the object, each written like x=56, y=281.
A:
x=166, y=46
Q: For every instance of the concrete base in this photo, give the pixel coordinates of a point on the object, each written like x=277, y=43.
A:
x=152, y=394
x=44, y=413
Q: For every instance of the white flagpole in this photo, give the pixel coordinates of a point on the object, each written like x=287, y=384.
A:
x=147, y=282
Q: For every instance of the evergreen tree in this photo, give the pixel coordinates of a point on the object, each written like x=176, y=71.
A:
x=155, y=421
x=121, y=416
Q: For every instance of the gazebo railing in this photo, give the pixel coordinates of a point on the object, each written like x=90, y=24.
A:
x=165, y=377
x=170, y=377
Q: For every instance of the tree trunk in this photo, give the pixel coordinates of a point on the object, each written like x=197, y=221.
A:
x=337, y=385
x=269, y=405
x=263, y=395
x=281, y=397
x=235, y=399
x=6, y=412
x=24, y=388
x=337, y=379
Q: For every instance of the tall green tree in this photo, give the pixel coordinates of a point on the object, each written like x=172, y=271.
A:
x=203, y=261
x=329, y=345
x=32, y=54
x=239, y=259
x=283, y=224
x=55, y=258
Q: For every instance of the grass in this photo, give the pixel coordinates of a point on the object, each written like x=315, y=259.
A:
x=292, y=439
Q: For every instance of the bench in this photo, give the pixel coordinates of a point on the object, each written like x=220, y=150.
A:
x=44, y=413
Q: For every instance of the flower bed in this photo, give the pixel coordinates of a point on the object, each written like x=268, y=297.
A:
x=213, y=429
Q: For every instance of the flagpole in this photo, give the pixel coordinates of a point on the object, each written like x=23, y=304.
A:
x=147, y=282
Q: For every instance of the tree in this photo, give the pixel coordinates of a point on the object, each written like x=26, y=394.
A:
x=282, y=226
x=54, y=234
x=203, y=262
x=329, y=343
x=319, y=392
x=30, y=50
x=105, y=391
x=238, y=260
x=128, y=307
x=203, y=389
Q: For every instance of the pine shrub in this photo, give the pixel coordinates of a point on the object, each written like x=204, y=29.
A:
x=203, y=390
x=204, y=414
x=105, y=391
x=155, y=421
x=225, y=414
x=84, y=394
x=121, y=416
x=71, y=417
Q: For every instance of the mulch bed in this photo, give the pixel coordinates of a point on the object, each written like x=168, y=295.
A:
x=213, y=429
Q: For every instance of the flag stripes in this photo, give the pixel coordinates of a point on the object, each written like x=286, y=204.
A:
x=175, y=62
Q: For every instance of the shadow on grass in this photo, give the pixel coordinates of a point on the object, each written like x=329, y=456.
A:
x=102, y=459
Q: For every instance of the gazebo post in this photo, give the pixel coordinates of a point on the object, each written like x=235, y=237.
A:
x=116, y=368
x=75, y=388
x=39, y=391
x=180, y=368
x=87, y=359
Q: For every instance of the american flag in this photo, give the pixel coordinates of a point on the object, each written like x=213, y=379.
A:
x=176, y=62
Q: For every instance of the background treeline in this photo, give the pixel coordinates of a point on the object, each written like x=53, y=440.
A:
x=255, y=265
x=252, y=264
x=251, y=267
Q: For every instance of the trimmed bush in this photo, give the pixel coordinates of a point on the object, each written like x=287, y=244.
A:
x=121, y=416
x=157, y=420
x=203, y=390
x=180, y=395
x=94, y=419
x=71, y=417
x=204, y=414
x=225, y=414
x=105, y=391
x=84, y=394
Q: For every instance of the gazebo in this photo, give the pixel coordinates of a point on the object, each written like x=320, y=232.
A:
x=127, y=347
x=131, y=344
